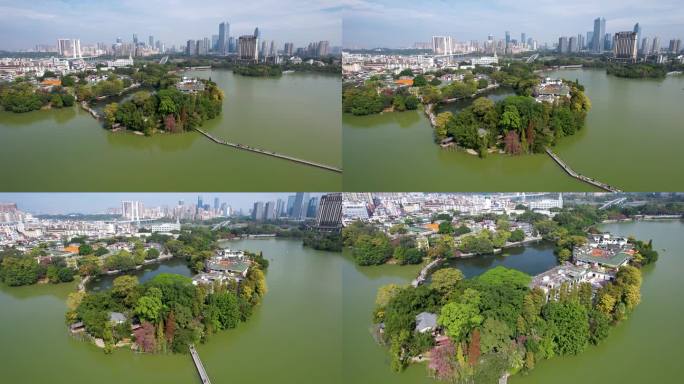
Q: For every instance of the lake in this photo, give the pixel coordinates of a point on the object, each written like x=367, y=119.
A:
x=68, y=150
x=631, y=140
x=294, y=336
x=314, y=325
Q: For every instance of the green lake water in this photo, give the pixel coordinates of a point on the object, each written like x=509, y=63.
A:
x=632, y=140
x=296, y=114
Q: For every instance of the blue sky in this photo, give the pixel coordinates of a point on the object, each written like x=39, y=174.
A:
x=400, y=23
x=25, y=23
x=57, y=203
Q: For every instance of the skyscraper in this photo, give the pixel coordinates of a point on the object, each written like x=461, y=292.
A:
x=300, y=205
x=224, y=33
x=150, y=41
x=441, y=45
x=572, y=44
x=508, y=38
x=590, y=40
x=599, y=34
x=523, y=38
x=280, y=207
x=216, y=204
x=135, y=39
x=290, y=205
x=323, y=48
x=312, y=207
x=288, y=49
x=330, y=211
x=270, y=211
x=675, y=46
x=625, y=46
x=637, y=30
x=257, y=34
x=191, y=48
x=608, y=42
x=248, y=47
x=645, y=46
x=203, y=46
x=131, y=210
x=258, y=211
x=563, y=45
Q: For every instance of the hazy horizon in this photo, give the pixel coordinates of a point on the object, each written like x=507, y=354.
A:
x=23, y=25
x=96, y=202
x=401, y=23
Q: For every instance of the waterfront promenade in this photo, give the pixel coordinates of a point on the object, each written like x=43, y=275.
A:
x=268, y=153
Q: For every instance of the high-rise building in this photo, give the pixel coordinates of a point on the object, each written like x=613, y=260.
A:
x=312, y=207
x=508, y=38
x=270, y=211
x=135, y=39
x=191, y=48
x=323, y=48
x=608, y=42
x=224, y=33
x=572, y=44
x=655, y=48
x=523, y=39
x=280, y=208
x=131, y=210
x=248, y=47
x=590, y=41
x=625, y=46
x=290, y=205
x=441, y=45
x=646, y=46
x=563, y=46
x=637, y=30
x=675, y=46
x=599, y=33
x=580, y=42
x=258, y=211
x=203, y=46
x=300, y=205
x=288, y=49
x=330, y=211
x=216, y=204
x=150, y=40
x=214, y=43
x=257, y=34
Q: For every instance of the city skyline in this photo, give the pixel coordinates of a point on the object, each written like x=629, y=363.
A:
x=400, y=24
x=96, y=203
x=30, y=24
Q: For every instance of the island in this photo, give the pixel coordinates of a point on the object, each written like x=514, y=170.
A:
x=502, y=322
x=544, y=110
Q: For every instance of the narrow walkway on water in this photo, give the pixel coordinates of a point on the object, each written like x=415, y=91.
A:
x=268, y=153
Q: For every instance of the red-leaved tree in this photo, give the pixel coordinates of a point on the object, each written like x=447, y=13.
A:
x=145, y=338
x=170, y=327
x=474, y=347
x=442, y=360
x=512, y=143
